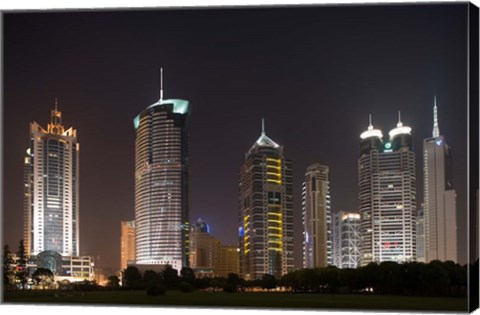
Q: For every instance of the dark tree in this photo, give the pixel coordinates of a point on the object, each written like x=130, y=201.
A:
x=150, y=277
x=170, y=277
x=7, y=267
x=235, y=279
x=113, y=282
x=269, y=282
x=332, y=278
x=21, y=271
x=188, y=275
x=133, y=278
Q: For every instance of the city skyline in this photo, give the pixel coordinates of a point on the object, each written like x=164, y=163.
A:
x=320, y=99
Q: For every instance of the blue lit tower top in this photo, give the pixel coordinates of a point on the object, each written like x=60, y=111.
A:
x=201, y=226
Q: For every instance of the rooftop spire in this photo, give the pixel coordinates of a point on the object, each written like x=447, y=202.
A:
x=263, y=126
x=399, y=124
x=370, y=132
x=436, y=131
x=55, y=126
x=161, y=83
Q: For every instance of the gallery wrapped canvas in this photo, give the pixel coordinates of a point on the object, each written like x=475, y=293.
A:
x=302, y=157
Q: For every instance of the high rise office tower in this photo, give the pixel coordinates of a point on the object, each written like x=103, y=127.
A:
x=387, y=196
x=127, y=244
x=346, y=239
x=51, y=182
x=440, y=213
x=161, y=183
x=316, y=217
x=265, y=211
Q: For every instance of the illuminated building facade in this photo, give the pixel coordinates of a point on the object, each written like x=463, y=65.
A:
x=440, y=209
x=127, y=244
x=228, y=261
x=420, y=230
x=208, y=257
x=265, y=211
x=316, y=217
x=203, y=247
x=346, y=239
x=51, y=180
x=387, y=196
x=161, y=184
x=71, y=268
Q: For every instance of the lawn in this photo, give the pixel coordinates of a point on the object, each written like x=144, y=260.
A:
x=241, y=300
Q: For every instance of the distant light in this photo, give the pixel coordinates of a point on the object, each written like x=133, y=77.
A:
x=439, y=142
x=241, y=231
x=388, y=145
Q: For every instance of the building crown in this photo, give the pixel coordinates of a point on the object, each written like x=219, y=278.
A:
x=55, y=126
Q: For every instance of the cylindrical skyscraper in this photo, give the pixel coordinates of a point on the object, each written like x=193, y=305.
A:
x=161, y=184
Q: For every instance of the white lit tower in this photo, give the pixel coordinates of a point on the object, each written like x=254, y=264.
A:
x=346, y=239
x=316, y=217
x=265, y=211
x=440, y=213
x=387, y=196
x=51, y=188
x=162, y=182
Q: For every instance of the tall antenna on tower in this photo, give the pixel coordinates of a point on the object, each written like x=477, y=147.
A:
x=436, y=131
x=161, y=83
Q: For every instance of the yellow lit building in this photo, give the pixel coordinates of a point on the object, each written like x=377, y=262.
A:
x=265, y=211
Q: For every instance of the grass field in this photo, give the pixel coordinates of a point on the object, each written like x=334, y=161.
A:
x=240, y=300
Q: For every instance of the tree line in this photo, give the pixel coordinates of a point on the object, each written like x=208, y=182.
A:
x=412, y=278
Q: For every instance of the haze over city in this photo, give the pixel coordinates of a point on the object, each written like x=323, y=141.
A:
x=314, y=75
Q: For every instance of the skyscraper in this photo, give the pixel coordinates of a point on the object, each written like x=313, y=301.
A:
x=127, y=243
x=387, y=195
x=51, y=182
x=161, y=183
x=440, y=213
x=265, y=211
x=346, y=239
x=316, y=217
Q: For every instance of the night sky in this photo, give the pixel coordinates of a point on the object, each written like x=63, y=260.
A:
x=313, y=73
